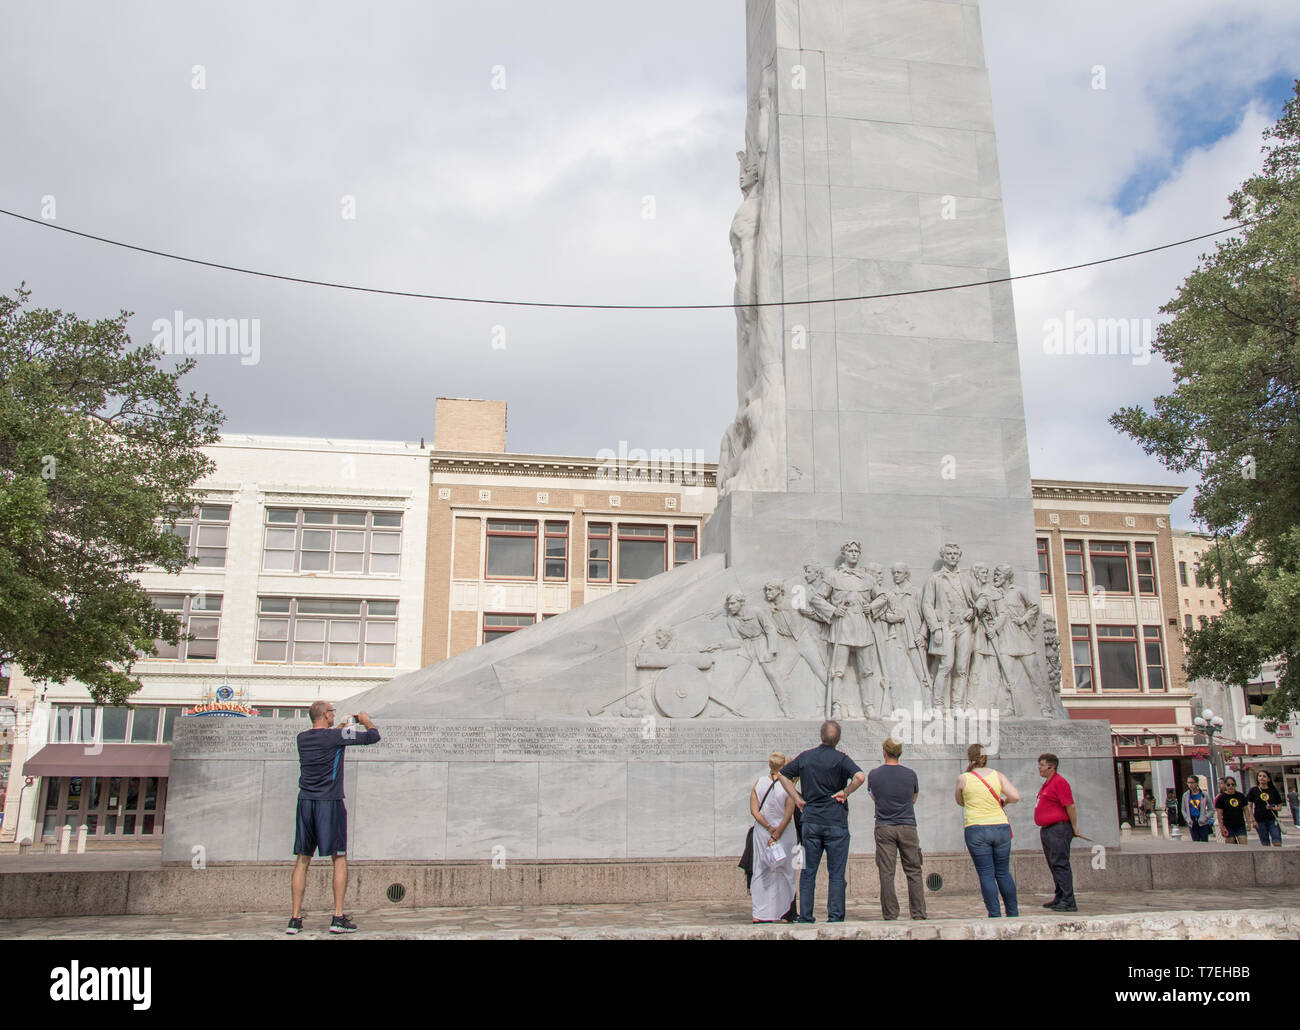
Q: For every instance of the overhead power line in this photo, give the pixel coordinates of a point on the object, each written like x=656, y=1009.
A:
x=608, y=307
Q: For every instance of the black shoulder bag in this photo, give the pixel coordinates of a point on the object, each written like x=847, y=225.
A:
x=747, y=856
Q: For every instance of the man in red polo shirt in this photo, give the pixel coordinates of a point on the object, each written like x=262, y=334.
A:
x=1058, y=821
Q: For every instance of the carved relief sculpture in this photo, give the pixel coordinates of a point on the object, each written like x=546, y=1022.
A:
x=947, y=604
x=753, y=635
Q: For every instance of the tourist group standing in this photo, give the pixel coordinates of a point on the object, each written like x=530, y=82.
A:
x=810, y=818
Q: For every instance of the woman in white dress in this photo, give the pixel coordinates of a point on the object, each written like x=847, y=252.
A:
x=774, y=884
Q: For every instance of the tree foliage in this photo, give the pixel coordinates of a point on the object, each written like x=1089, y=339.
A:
x=1233, y=343
x=98, y=449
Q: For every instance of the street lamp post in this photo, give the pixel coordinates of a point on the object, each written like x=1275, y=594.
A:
x=1210, y=724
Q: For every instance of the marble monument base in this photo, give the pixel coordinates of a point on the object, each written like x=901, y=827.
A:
x=504, y=790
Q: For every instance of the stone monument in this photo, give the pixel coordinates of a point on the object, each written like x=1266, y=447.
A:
x=871, y=557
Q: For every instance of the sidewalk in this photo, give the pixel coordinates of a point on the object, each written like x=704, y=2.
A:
x=1245, y=913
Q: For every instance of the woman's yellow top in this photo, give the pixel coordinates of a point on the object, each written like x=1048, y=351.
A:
x=982, y=808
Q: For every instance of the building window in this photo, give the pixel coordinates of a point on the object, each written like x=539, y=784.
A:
x=200, y=616
x=86, y=724
x=1182, y=573
x=1109, y=561
x=1044, y=568
x=1117, y=657
x=1081, y=653
x=1075, y=581
x=349, y=542
x=112, y=724
x=497, y=625
x=144, y=724
x=1154, y=657
x=685, y=541
x=205, y=532
x=1144, y=556
x=1187, y=622
x=598, y=552
x=557, y=551
x=642, y=552
x=511, y=549
x=315, y=631
x=108, y=806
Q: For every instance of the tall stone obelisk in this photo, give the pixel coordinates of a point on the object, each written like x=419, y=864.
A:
x=899, y=420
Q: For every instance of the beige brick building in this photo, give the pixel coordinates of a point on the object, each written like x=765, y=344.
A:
x=1107, y=573
x=517, y=538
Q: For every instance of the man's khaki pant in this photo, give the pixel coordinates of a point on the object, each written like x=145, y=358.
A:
x=891, y=843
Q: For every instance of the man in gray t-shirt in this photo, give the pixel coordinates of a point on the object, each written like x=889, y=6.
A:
x=894, y=789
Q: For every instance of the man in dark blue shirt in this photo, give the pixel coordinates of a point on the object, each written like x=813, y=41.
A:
x=322, y=821
x=826, y=779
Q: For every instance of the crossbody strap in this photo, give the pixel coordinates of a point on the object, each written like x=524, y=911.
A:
x=986, y=787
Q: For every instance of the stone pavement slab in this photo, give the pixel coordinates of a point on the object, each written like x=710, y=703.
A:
x=1246, y=913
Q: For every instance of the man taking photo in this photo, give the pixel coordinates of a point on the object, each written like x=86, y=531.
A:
x=322, y=821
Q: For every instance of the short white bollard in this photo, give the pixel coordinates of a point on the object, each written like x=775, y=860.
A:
x=81, y=839
x=1154, y=823
x=1164, y=824
x=65, y=838
x=1125, y=832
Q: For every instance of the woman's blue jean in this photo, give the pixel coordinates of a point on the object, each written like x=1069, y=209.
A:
x=1270, y=832
x=990, y=849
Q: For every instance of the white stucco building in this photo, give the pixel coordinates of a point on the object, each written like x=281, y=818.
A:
x=309, y=585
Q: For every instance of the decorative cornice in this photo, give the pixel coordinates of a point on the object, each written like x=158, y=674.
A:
x=559, y=466
x=1111, y=493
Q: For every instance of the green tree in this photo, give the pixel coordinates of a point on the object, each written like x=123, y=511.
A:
x=1233, y=343
x=98, y=449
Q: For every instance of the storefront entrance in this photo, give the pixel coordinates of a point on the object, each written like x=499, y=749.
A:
x=116, y=807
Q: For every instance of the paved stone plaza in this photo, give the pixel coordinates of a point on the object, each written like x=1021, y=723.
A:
x=1153, y=915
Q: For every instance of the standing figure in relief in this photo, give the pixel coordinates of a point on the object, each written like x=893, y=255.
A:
x=985, y=680
x=753, y=635
x=744, y=233
x=1017, y=644
x=819, y=613
x=793, y=632
x=947, y=605
x=883, y=701
x=902, y=615
x=851, y=590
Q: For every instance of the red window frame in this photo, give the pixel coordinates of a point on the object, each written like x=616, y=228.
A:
x=1074, y=549
x=685, y=535
x=1144, y=550
x=1121, y=635
x=641, y=538
x=1151, y=639
x=506, y=630
x=510, y=533
x=1107, y=549
x=551, y=532
x=600, y=531
x=1082, y=634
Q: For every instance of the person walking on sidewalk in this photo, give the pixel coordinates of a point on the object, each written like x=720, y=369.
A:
x=1293, y=802
x=1266, y=804
x=1232, y=804
x=322, y=822
x=1058, y=825
x=894, y=789
x=983, y=794
x=827, y=777
x=1198, y=813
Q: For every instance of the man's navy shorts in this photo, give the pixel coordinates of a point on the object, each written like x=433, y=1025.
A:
x=323, y=825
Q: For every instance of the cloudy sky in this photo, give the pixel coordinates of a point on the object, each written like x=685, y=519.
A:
x=537, y=191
